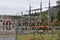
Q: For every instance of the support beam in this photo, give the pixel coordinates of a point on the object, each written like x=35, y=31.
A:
x=49, y=18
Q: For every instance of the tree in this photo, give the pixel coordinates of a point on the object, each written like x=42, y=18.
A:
x=58, y=13
x=58, y=16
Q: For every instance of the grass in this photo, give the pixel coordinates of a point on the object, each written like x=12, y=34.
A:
x=58, y=33
x=37, y=37
x=55, y=36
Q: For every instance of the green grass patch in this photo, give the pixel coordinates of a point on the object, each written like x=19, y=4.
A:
x=37, y=37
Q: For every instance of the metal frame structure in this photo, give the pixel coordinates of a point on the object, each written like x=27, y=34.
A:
x=34, y=10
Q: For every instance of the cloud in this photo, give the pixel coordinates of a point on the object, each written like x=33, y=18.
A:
x=13, y=6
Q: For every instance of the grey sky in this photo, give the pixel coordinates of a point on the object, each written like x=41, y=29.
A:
x=11, y=7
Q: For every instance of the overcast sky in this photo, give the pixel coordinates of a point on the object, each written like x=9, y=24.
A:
x=11, y=7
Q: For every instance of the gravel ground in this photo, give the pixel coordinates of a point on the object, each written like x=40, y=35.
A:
x=7, y=37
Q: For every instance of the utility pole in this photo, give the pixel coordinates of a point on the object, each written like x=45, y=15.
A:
x=40, y=12
x=16, y=27
x=49, y=18
x=21, y=21
x=35, y=24
x=30, y=14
